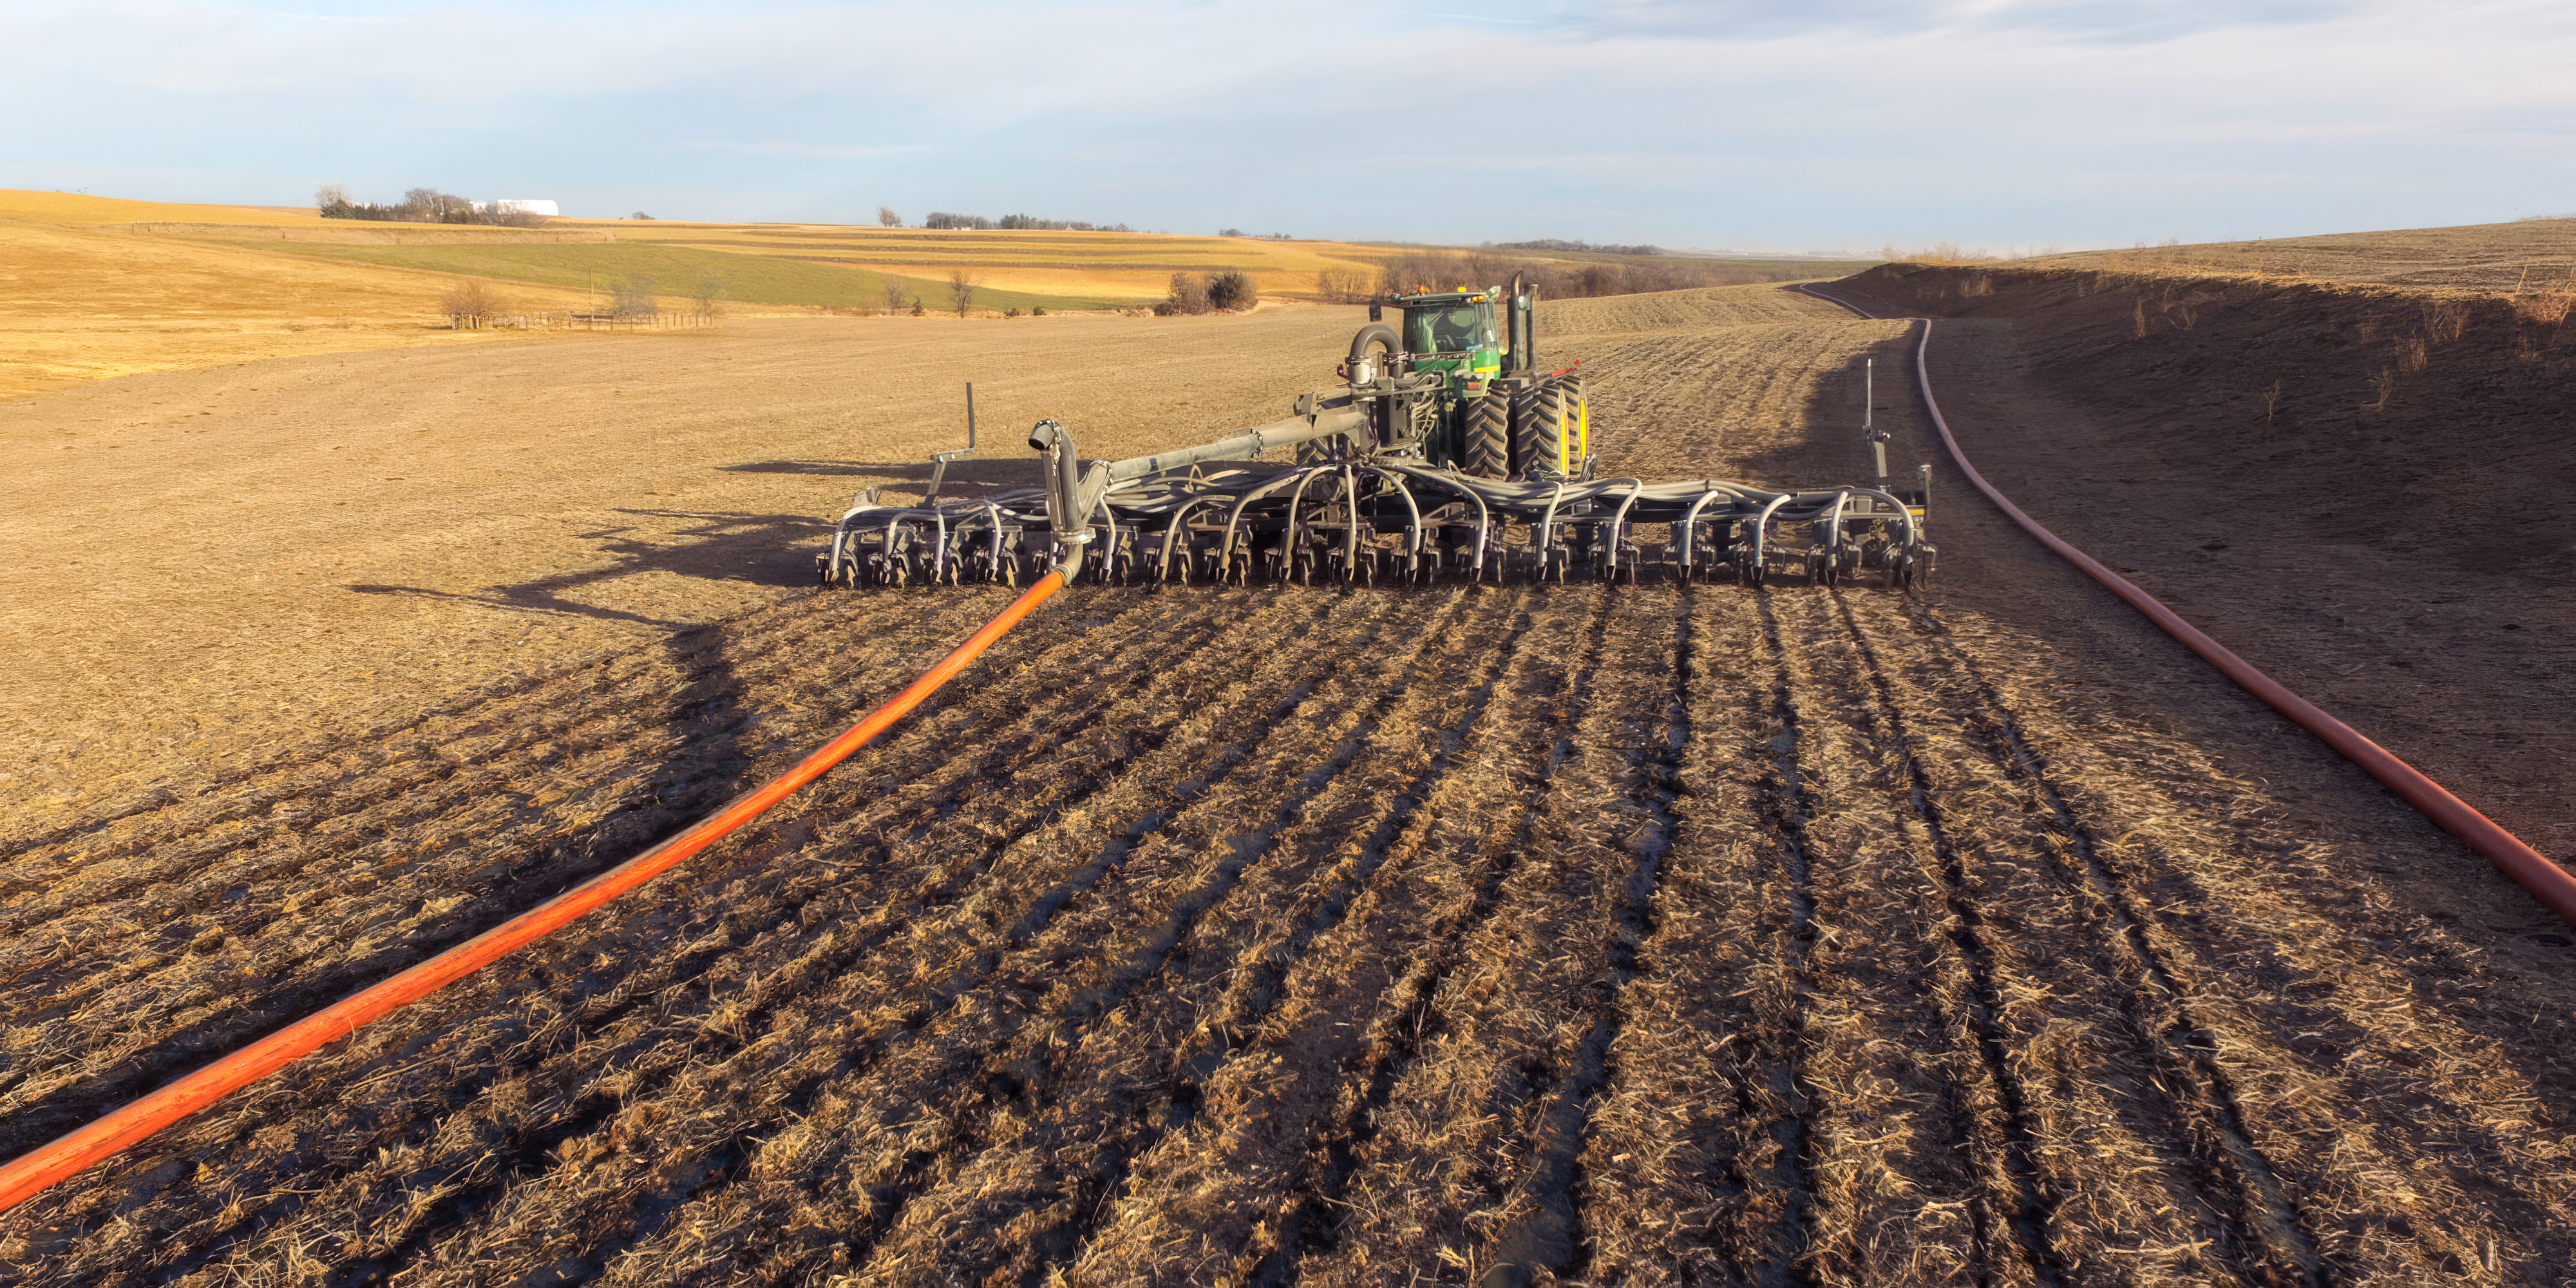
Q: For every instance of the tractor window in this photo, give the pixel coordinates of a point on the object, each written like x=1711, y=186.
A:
x=1456, y=329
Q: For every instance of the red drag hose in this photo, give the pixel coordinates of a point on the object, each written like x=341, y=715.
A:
x=26, y=1176
x=2533, y=871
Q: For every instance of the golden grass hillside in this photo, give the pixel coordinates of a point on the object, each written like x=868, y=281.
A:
x=96, y=287
x=86, y=296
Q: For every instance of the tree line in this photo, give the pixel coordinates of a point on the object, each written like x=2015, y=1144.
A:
x=1415, y=271
x=421, y=206
x=942, y=219
x=1578, y=247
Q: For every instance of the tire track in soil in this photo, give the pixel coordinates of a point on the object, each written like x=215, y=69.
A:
x=2268, y=1230
x=2014, y=1208
x=943, y=1007
x=688, y=961
x=1441, y=1164
x=1547, y=1235
x=1896, y=1108
x=1069, y=1171
x=1245, y=1181
x=1396, y=1041
x=247, y=1008
x=1693, y=1170
x=1016, y=1185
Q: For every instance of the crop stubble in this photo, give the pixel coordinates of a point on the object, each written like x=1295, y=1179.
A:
x=1650, y=935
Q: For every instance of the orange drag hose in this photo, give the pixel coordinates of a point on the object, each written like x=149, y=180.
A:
x=2529, y=868
x=26, y=1176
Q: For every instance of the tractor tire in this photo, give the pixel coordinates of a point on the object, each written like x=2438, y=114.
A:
x=1488, y=447
x=1538, y=433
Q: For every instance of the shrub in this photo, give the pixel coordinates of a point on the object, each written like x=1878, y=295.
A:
x=1011, y=312
x=919, y=309
x=1232, y=292
x=1037, y=310
x=1188, y=296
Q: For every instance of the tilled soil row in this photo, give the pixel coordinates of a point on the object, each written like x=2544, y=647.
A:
x=1665, y=934
x=274, y=919
x=2259, y=1032
x=598, y=992
x=1657, y=934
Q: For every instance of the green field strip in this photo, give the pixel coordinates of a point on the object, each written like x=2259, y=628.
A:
x=747, y=278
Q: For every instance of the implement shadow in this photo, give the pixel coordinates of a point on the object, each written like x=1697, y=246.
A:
x=758, y=549
x=703, y=719
x=964, y=479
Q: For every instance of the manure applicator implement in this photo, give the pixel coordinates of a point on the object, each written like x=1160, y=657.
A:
x=1445, y=454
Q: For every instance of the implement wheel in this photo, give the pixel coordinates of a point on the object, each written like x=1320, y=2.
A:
x=1538, y=433
x=1487, y=451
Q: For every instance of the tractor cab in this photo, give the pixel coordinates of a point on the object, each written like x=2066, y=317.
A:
x=1453, y=331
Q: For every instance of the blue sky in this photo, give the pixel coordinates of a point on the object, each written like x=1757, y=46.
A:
x=1838, y=124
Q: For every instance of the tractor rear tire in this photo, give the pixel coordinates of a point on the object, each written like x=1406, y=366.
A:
x=1538, y=433
x=1488, y=449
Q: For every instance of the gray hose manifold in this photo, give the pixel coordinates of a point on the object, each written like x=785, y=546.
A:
x=1379, y=332
x=1073, y=490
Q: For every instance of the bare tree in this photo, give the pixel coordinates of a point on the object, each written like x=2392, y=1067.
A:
x=1344, y=285
x=887, y=218
x=467, y=303
x=429, y=205
x=897, y=299
x=330, y=197
x=709, y=288
x=632, y=296
x=961, y=290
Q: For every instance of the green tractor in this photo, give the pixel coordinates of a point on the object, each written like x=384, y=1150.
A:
x=1464, y=372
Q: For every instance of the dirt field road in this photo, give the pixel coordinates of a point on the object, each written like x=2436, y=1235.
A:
x=1666, y=934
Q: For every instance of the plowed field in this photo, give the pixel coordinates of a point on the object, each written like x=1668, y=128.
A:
x=1665, y=934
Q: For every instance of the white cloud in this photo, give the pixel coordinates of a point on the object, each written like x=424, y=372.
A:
x=1842, y=122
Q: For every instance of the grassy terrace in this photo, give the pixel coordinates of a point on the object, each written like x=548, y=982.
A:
x=677, y=269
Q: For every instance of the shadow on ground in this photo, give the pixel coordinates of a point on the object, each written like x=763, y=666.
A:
x=761, y=549
x=964, y=478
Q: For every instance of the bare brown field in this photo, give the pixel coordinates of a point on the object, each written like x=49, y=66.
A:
x=1649, y=935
